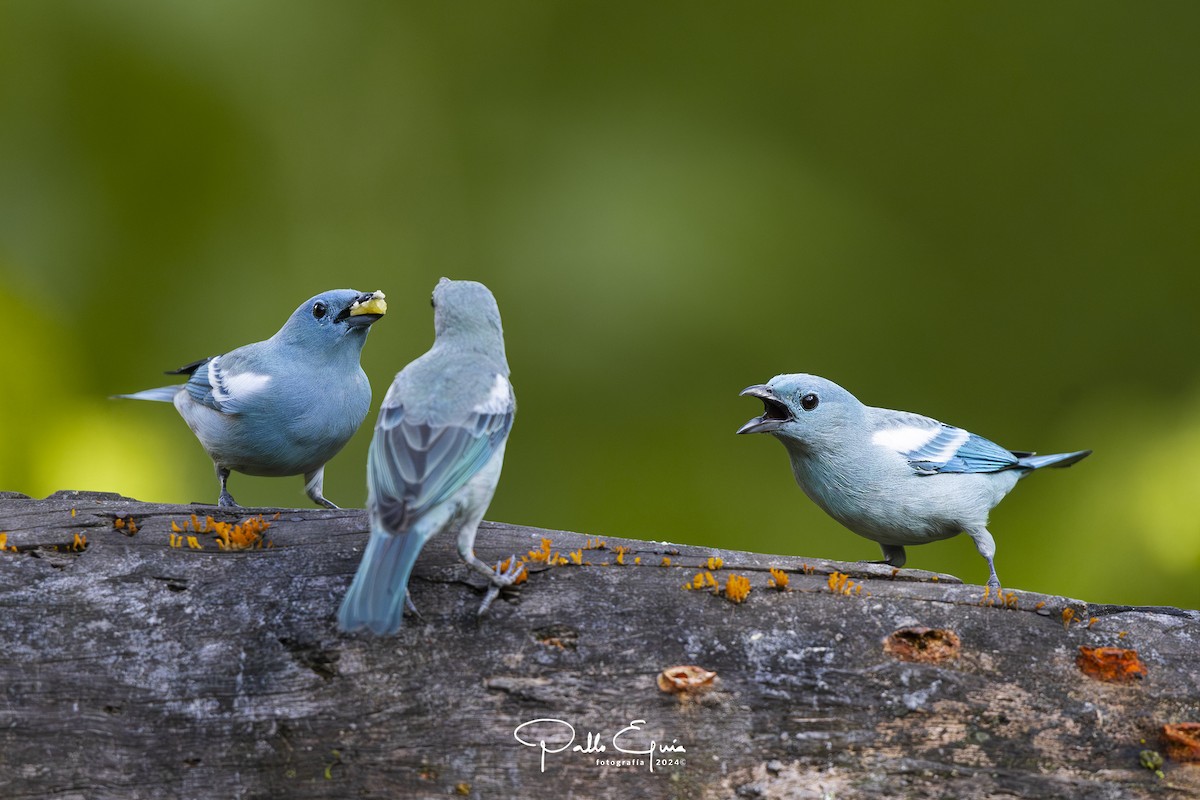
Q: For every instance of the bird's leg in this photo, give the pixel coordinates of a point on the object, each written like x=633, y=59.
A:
x=411, y=606
x=314, y=482
x=498, y=577
x=986, y=546
x=226, y=499
x=893, y=555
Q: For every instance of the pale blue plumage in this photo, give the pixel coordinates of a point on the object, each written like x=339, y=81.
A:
x=972, y=454
x=955, y=450
x=436, y=455
x=287, y=405
x=891, y=476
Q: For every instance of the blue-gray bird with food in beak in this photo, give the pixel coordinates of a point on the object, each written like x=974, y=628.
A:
x=287, y=405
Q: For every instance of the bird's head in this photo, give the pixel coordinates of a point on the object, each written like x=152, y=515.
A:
x=465, y=309
x=334, y=316
x=803, y=409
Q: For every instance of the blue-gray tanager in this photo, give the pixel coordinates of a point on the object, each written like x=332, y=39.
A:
x=893, y=477
x=436, y=456
x=287, y=405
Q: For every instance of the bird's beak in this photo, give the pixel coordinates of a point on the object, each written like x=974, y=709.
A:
x=367, y=309
x=774, y=413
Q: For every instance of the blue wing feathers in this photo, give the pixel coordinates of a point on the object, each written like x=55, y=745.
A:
x=415, y=465
x=976, y=454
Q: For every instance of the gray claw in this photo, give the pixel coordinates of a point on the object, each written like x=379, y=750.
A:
x=408, y=603
x=501, y=578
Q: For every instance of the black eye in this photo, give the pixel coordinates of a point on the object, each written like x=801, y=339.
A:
x=432, y=304
x=319, y=309
x=809, y=401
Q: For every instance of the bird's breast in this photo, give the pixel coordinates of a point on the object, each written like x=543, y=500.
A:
x=888, y=505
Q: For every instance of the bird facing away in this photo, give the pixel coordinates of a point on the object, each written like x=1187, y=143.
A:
x=436, y=456
x=287, y=405
x=893, y=477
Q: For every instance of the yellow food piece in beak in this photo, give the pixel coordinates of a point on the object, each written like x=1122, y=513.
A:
x=376, y=305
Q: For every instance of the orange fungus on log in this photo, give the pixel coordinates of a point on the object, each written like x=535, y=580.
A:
x=1110, y=664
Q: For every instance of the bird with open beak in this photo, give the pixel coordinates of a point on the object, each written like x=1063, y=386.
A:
x=890, y=476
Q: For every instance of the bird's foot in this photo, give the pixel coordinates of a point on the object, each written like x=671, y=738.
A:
x=408, y=603
x=226, y=500
x=499, y=579
x=314, y=487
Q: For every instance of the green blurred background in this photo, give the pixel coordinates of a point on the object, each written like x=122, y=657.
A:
x=986, y=214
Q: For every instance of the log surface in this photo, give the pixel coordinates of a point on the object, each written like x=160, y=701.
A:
x=134, y=669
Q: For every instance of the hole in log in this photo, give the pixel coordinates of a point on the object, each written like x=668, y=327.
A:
x=923, y=645
x=172, y=584
x=560, y=636
x=312, y=655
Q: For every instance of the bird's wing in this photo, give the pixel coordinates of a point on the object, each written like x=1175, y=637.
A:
x=225, y=383
x=415, y=464
x=932, y=447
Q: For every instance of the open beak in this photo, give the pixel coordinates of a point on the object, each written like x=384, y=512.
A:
x=366, y=310
x=774, y=413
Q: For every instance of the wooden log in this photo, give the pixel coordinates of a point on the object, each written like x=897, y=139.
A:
x=134, y=669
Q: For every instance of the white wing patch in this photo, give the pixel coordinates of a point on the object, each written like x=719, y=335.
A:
x=946, y=446
x=499, y=398
x=234, y=389
x=904, y=439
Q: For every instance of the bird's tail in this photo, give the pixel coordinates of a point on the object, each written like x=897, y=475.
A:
x=163, y=394
x=377, y=595
x=1031, y=461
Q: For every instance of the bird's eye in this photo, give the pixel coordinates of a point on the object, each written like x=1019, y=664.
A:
x=319, y=309
x=809, y=401
x=432, y=302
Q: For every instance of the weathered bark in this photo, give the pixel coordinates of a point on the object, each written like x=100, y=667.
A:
x=133, y=669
